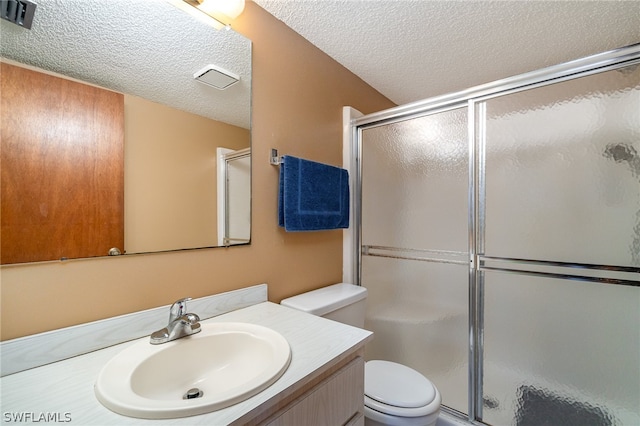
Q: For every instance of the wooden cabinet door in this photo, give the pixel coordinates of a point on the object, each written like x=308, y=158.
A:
x=339, y=400
x=62, y=161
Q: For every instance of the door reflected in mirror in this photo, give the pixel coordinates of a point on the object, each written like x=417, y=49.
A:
x=234, y=196
x=173, y=125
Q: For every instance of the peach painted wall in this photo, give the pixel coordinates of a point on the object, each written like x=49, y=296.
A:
x=176, y=190
x=298, y=95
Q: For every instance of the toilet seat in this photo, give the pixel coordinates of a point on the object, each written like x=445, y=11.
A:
x=398, y=390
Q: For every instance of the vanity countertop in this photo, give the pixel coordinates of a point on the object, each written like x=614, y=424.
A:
x=63, y=391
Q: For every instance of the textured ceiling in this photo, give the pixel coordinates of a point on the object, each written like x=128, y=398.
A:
x=147, y=48
x=407, y=50
x=413, y=50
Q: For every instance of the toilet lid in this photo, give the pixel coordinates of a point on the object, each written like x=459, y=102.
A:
x=398, y=385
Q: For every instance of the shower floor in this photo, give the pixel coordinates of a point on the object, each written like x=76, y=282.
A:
x=445, y=419
x=505, y=409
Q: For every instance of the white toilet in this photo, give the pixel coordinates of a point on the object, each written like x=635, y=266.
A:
x=394, y=394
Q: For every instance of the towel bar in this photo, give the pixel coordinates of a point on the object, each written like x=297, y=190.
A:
x=275, y=160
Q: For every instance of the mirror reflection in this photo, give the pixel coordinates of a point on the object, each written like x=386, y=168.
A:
x=171, y=127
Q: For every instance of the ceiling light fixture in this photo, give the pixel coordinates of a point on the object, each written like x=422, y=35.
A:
x=218, y=13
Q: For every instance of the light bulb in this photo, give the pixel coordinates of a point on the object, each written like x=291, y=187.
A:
x=224, y=11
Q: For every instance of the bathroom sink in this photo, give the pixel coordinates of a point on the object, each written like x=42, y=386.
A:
x=222, y=365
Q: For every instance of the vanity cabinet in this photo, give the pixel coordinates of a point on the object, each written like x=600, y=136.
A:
x=338, y=400
x=334, y=395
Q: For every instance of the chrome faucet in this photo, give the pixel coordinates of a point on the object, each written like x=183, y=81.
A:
x=181, y=324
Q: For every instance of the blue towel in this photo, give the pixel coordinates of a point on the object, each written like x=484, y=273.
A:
x=312, y=196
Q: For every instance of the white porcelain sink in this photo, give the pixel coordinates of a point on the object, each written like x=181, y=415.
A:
x=228, y=362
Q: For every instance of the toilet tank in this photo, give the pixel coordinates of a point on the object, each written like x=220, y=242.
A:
x=341, y=302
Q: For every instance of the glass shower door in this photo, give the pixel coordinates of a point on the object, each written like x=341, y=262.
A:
x=559, y=245
x=415, y=247
x=500, y=242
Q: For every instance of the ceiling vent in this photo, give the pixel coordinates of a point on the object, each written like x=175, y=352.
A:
x=216, y=77
x=20, y=12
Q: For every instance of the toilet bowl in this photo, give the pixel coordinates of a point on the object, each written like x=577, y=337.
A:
x=394, y=393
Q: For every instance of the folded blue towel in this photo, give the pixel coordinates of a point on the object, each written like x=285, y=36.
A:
x=312, y=196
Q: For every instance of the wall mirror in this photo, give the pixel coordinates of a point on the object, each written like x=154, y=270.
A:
x=176, y=130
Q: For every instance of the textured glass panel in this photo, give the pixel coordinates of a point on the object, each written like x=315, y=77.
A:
x=560, y=352
x=563, y=171
x=415, y=183
x=418, y=312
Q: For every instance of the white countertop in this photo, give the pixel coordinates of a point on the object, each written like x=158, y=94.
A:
x=64, y=390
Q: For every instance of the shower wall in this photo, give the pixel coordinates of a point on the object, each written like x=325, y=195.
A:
x=505, y=230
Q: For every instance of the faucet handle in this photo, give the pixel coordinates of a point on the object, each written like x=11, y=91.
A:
x=178, y=309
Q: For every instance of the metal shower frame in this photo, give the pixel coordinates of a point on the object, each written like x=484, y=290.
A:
x=473, y=99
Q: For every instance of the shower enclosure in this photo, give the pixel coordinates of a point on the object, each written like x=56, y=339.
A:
x=499, y=239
